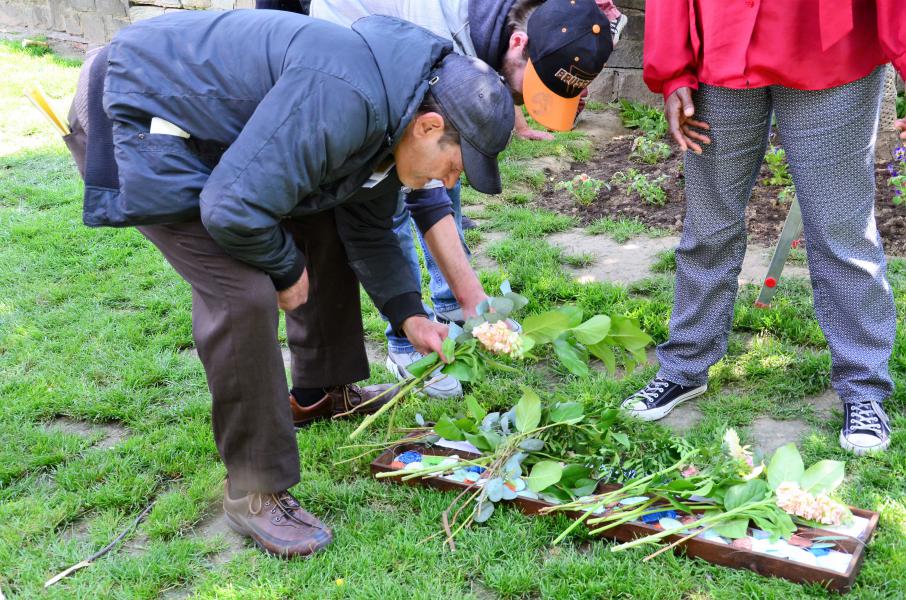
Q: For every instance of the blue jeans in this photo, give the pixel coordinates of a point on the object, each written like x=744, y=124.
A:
x=441, y=295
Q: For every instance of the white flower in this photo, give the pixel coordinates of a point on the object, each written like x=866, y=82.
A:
x=498, y=338
x=821, y=508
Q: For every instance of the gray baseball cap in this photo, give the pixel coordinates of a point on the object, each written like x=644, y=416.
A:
x=473, y=97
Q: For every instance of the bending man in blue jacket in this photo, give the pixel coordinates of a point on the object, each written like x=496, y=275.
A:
x=263, y=153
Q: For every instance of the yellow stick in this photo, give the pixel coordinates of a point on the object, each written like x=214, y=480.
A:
x=39, y=99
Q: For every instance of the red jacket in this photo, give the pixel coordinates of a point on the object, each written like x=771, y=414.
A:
x=802, y=44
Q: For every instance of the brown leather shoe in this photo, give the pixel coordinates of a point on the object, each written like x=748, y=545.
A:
x=341, y=399
x=276, y=523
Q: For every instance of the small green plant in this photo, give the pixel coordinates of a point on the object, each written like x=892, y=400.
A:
x=648, y=119
x=897, y=170
x=516, y=197
x=648, y=150
x=780, y=171
x=786, y=195
x=583, y=188
x=901, y=105
x=649, y=190
x=579, y=261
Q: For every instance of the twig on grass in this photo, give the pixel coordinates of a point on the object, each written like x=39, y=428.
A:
x=99, y=553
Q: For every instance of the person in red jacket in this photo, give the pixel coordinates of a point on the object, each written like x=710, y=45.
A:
x=724, y=68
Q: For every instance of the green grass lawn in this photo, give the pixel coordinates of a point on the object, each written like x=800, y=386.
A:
x=94, y=326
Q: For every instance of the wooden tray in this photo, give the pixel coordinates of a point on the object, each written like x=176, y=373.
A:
x=710, y=551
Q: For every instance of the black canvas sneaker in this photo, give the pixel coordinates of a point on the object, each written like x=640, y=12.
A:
x=617, y=27
x=866, y=427
x=658, y=398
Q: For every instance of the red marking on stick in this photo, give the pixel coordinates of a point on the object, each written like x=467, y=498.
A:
x=770, y=282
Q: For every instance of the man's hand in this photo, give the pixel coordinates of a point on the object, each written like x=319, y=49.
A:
x=900, y=124
x=294, y=296
x=533, y=134
x=426, y=335
x=679, y=111
x=527, y=133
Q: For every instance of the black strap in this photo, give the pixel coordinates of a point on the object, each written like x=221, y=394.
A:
x=100, y=165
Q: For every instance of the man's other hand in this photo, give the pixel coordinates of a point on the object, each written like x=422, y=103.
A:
x=294, y=296
x=679, y=110
x=900, y=125
x=426, y=336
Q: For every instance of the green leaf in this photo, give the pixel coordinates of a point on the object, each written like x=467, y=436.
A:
x=584, y=487
x=527, y=344
x=519, y=302
x=506, y=287
x=745, y=493
x=571, y=474
x=546, y=326
x=473, y=322
x=567, y=412
x=786, y=465
x=823, y=476
x=574, y=359
x=593, y=330
x=604, y=353
x=573, y=313
x=626, y=333
x=426, y=363
x=502, y=307
x=480, y=441
x=483, y=511
x=449, y=347
x=544, y=474
x=528, y=410
x=459, y=369
x=476, y=410
x=447, y=429
x=621, y=438
x=734, y=529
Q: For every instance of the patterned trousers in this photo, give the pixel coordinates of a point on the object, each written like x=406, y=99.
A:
x=829, y=138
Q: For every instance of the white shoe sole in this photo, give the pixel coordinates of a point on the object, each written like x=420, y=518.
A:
x=402, y=374
x=656, y=414
x=862, y=450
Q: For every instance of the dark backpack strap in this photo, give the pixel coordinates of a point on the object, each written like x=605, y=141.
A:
x=100, y=165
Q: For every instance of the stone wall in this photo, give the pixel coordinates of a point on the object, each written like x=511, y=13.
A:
x=96, y=21
x=623, y=76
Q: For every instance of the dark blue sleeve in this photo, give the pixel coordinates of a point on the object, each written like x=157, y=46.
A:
x=429, y=206
x=295, y=6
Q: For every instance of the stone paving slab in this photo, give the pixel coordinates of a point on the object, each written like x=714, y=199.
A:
x=631, y=261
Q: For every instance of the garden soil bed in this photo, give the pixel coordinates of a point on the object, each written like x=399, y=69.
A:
x=765, y=215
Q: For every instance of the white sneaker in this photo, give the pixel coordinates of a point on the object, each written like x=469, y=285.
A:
x=442, y=386
x=617, y=27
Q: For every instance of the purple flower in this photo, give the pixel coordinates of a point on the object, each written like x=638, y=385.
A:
x=892, y=170
x=899, y=154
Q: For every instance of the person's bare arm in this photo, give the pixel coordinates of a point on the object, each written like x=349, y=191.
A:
x=443, y=241
x=527, y=133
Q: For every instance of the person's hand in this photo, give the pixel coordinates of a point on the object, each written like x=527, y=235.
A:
x=900, y=124
x=679, y=110
x=528, y=133
x=294, y=296
x=470, y=305
x=425, y=335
